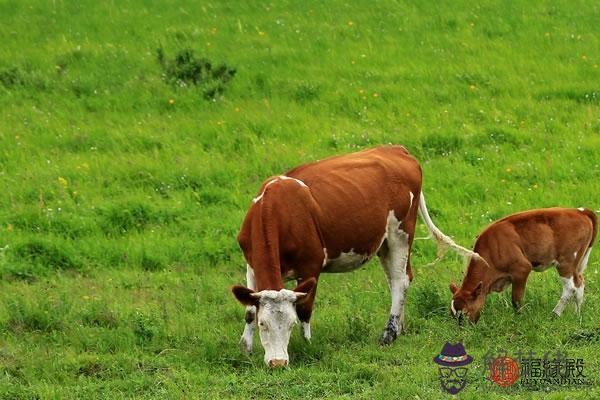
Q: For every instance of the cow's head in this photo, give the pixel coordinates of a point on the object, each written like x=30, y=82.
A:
x=466, y=302
x=276, y=317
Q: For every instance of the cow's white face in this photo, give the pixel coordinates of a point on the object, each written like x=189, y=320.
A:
x=276, y=318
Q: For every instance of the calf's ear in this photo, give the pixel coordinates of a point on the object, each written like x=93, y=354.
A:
x=247, y=297
x=304, y=289
x=477, y=290
x=453, y=288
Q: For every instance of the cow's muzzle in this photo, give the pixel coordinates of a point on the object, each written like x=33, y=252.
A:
x=278, y=363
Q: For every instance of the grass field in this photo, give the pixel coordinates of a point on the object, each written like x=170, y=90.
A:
x=124, y=181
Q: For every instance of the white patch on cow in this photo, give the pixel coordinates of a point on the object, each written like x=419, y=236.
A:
x=584, y=261
x=346, y=262
x=349, y=261
x=248, y=335
x=581, y=209
x=394, y=264
x=258, y=198
x=283, y=178
x=276, y=318
x=279, y=178
x=305, y=327
x=452, y=308
x=574, y=254
x=412, y=196
x=324, y=257
x=569, y=290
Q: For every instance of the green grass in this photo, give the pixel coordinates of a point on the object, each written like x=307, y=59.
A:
x=124, y=183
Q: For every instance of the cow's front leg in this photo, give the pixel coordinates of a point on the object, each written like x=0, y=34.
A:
x=304, y=311
x=395, y=260
x=250, y=316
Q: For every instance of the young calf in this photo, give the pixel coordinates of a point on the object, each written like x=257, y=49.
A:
x=514, y=246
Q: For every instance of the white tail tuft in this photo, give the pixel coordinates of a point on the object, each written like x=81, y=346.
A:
x=443, y=241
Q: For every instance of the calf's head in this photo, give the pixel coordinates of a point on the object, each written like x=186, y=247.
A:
x=466, y=302
x=276, y=316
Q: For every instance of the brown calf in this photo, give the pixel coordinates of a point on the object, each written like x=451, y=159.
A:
x=329, y=216
x=528, y=241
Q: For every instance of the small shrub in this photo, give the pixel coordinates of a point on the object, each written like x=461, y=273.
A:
x=127, y=217
x=100, y=317
x=25, y=317
x=499, y=136
x=10, y=77
x=150, y=263
x=185, y=69
x=441, y=145
x=47, y=254
x=306, y=92
x=145, y=328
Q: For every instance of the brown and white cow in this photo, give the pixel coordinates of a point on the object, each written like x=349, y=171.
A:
x=512, y=247
x=329, y=216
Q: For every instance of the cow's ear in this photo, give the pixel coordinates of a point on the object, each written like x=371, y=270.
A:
x=304, y=289
x=247, y=297
x=453, y=287
x=477, y=290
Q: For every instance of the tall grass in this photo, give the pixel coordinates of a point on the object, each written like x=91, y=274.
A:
x=125, y=176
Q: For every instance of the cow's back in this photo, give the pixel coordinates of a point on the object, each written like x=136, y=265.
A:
x=356, y=192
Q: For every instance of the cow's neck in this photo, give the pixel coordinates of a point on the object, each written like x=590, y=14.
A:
x=265, y=250
x=479, y=271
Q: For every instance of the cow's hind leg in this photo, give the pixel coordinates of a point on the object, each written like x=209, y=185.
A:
x=394, y=258
x=250, y=317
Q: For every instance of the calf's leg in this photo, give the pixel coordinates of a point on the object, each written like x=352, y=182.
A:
x=519, y=281
x=569, y=290
x=579, y=282
x=250, y=317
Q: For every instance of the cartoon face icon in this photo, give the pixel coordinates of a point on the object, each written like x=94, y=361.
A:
x=453, y=379
x=452, y=371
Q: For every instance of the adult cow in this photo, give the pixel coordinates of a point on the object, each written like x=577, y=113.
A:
x=329, y=216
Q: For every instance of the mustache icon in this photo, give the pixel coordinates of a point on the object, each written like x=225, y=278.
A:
x=454, y=382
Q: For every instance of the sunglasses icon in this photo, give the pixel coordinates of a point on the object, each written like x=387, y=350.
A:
x=446, y=372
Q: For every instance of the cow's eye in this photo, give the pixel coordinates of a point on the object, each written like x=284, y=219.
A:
x=262, y=324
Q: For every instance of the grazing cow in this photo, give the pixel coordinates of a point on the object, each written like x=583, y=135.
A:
x=329, y=216
x=512, y=247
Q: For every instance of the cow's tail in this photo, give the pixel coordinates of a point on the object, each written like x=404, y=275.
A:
x=443, y=241
x=592, y=216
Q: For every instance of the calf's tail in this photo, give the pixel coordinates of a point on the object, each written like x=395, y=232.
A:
x=592, y=215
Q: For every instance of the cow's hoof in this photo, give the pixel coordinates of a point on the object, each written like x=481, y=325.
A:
x=391, y=331
x=388, y=337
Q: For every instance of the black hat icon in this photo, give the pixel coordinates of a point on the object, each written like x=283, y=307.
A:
x=453, y=355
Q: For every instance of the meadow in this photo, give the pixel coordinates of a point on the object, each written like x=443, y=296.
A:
x=134, y=134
